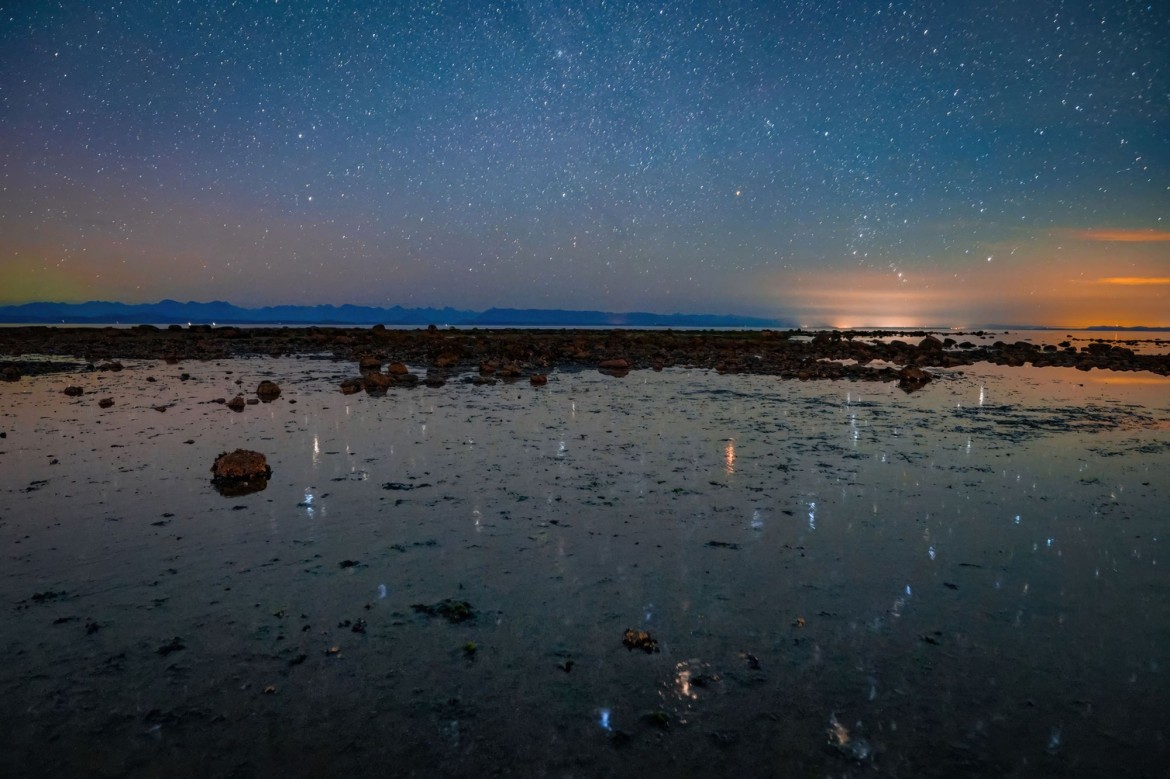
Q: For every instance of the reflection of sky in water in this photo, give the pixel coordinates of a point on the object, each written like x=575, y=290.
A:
x=888, y=517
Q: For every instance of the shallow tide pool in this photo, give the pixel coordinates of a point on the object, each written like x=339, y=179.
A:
x=838, y=578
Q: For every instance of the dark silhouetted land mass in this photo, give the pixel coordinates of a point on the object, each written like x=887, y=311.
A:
x=223, y=313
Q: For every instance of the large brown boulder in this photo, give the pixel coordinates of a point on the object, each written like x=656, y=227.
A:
x=268, y=390
x=913, y=378
x=375, y=382
x=240, y=472
x=10, y=373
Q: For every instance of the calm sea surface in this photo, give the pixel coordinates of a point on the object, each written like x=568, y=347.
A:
x=841, y=579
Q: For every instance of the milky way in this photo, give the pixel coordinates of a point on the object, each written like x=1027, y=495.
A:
x=841, y=163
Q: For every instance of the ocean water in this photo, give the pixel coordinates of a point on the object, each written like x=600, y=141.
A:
x=839, y=578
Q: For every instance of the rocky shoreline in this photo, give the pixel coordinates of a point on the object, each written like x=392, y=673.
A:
x=869, y=355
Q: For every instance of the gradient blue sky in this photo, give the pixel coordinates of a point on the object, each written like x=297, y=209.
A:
x=843, y=163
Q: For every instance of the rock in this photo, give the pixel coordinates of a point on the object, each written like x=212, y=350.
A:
x=105, y=402
x=236, y=403
x=369, y=363
x=268, y=391
x=111, y=366
x=538, y=379
x=616, y=367
x=639, y=639
x=350, y=386
x=447, y=360
x=10, y=373
x=240, y=472
x=930, y=343
x=376, y=382
x=74, y=391
x=397, y=369
x=913, y=378
x=448, y=608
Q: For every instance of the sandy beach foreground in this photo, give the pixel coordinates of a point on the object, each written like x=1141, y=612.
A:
x=530, y=553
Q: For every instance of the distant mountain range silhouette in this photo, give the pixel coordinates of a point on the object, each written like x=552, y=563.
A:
x=220, y=312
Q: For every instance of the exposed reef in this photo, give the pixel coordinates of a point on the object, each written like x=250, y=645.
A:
x=868, y=355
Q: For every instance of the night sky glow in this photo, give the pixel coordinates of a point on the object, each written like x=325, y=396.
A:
x=841, y=163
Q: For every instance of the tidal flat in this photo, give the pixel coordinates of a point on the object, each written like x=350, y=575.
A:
x=675, y=572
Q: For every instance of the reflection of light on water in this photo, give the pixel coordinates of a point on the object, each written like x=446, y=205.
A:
x=729, y=457
x=930, y=553
x=900, y=603
x=476, y=516
x=308, y=504
x=757, y=519
x=561, y=450
x=381, y=591
x=812, y=515
x=648, y=612
x=982, y=394
x=1017, y=519
x=316, y=450
x=603, y=719
x=682, y=681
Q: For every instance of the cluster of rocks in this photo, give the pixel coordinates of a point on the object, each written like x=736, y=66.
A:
x=493, y=355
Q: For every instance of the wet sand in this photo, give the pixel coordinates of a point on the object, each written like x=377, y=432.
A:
x=839, y=577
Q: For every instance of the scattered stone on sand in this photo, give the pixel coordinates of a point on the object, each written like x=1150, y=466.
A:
x=74, y=391
x=639, y=639
x=351, y=386
x=105, y=402
x=237, y=403
x=111, y=366
x=449, y=609
x=913, y=378
x=375, y=383
x=240, y=472
x=10, y=373
x=617, y=367
x=538, y=379
x=268, y=391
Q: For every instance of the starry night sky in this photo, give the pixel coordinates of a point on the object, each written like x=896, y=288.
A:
x=844, y=163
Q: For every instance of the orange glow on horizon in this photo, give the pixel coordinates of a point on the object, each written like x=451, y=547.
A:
x=1135, y=281
x=1122, y=236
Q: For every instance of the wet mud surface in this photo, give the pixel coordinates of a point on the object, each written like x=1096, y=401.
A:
x=669, y=572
